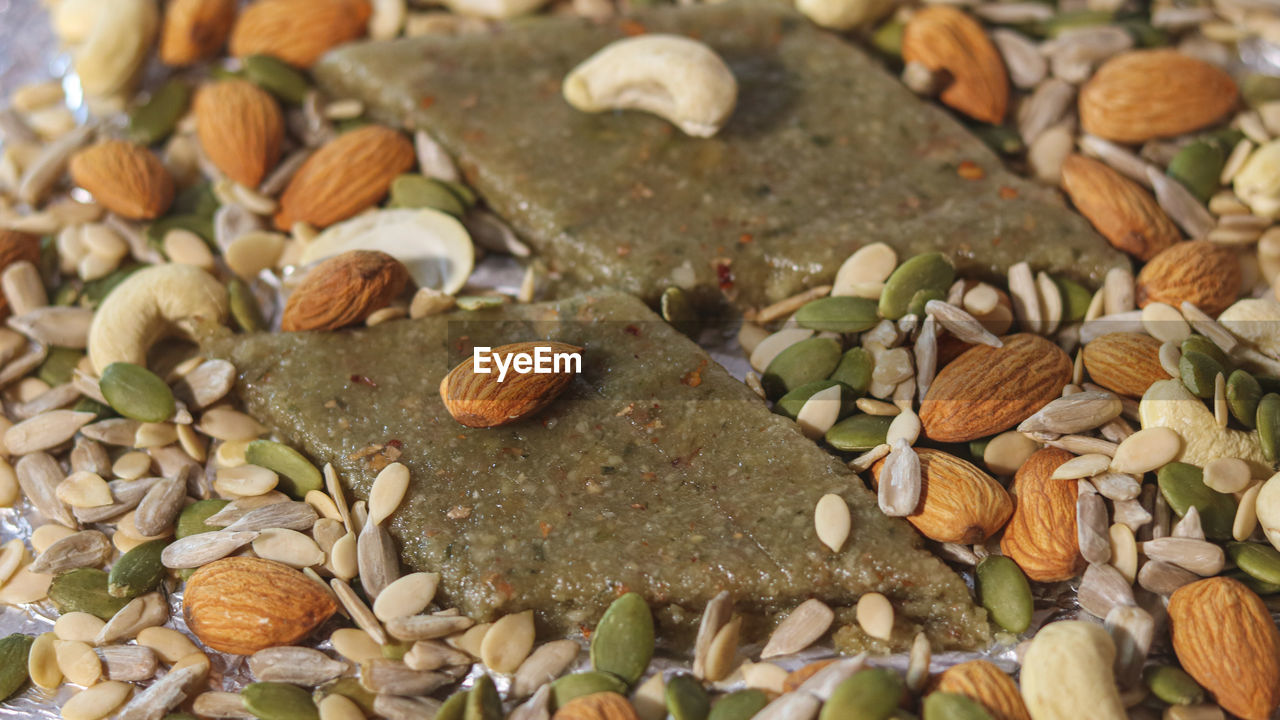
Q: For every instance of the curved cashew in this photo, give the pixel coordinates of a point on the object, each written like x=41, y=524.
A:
x=673, y=77
x=1167, y=403
x=117, y=45
x=148, y=306
x=1256, y=321
x=1068, y=667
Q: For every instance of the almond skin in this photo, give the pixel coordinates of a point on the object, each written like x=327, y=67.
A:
x=16, y=246
x=1144, y=94
x=597, y=706
x=1225, y=638
x=988, y=390
x=240, y=128
x=1120, y=209
x=987, y=685
x=350, y=173
x=298, y=31
x=478, y=400
x=943, y=38
x=241, y=605
x=959, y=502
x=1041, y=534
x=344, y=290
x=195, y=30
x=127, y=179
x=1197, y=271
x=1125, y=363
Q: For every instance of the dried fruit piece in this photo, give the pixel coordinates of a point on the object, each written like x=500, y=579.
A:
x=947, y=39
x=127, y=179
x=240, y=128
x=1145, y=94
x=344, y=290
x=1126, y=214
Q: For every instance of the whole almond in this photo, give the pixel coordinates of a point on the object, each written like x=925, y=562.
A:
x=344, y=290
x=14, y=247
x=1224, y=636
x=1124, y=362
x=988, y=390
x=1144, y=94
x=1041, y=534
x=946, y=39
x=195, y=30
x=349, y=174
x=479, y=400
x=959, y=503
x=987, y=685
x=597, y=706
x=298, y=31
x=1126, y=214
x=241, y=605
x=240, y=128
x=127, y=179
x=1198, y=271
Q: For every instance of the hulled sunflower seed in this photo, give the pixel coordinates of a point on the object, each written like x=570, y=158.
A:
x=537, y=707
x=201, y=549
x=1103, y=588
x=295, y=665
x=208, y=383
x=1074, y=413
x=396, y=707
x=433, y=655
x=128, y=663
x=545, y=664
x=899, y=491
x=1188, y=526
x=1132, y=514
x=1183, y=207
x=1044, y=108
x=217, y=704
x=808, y=622
x=126, y=495
x=961, y=324
x=1132, y=629
x=360, y=613
x=159, y=508
x=88, y=548
x=378, y=561
x=926, y=355
x=150, y=610
x=1092, y=527
x=1117, y=486
x=714, y=617
x=1164, y=578
x=863, y=462
x=393, y=677
x=45, y=431
x=791, y=706
x=824, y=682
x=162, y=696
x=38, y=476
x=427, y=627
x=1083, y=445
x=288, y=515
x=52, y=399
x=89, y=456
x=1027, y=67
x=1199, y=556
x=113, y=431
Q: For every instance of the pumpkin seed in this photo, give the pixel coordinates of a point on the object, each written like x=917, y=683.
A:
x=808, y=622
x=279, y=701
x=859, y=433
x=1243, y=395
x=739, y=705
x=1198, y=372
x=677, y=309
x=425, y=627
x=137, y=393
x=14, y=651
x=1182, y=486
x=574, y=686
x=1197, y=166
x=870, y=694
x=191, y=521
x=1268, y=421
x=245, y=309
x=154, y=120
x=791, y=403
x=483, y=702
x=137, y=571
x=854, y=371
x=412, y=190
x=928, y=271
x=84, y=590
x=804, y=362
x=1005, y=593
x=687, y=699
x=842, y=314
x=1202, y=344
x=1261, y=562
x=59, y=365
x=623, y=641
x=952, y=706
x=1075, y=297
x=1173, y=685
x=454, y=706
x=277, y=78
x=297, y=475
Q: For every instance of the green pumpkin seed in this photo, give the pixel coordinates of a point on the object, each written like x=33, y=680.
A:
x=678, y=310
x=279, y=701
x=1183, y=487
x=244, y=306
x=198, y=224
x=454, y=706
x=1077, y=19
x=1262, y=562
x=1258, y=89
x=1198, y=373
x=191, y=519
x=412, y=190
x=687, y=699
x=1146, y=35
x=1001, y=138
x=858, y=433
x=740, y=705
x=59, y=365
x=870, y=694
x=95, y=291
x=927, y=271
x=922, y=298
x=297, y=475
x=888, y=38
x=1005, y=593
x=571, y=687
x=623, y=641
x=137, y=393
x=1173, y=685
x=395, y=650
x=90, y=405
x=462, y=191
x=155, y=119
x=952, y=706
x=803, y=362
x=842, y=314
x=791, y=403
x=1202, y=344
x=66, y=295
x=351, y=689
x=1243, y=395
x=1253, y=583
x=854, y=370
x=277, y=78
x=483, y=702
x=84, y=590
x=1075, y=299
x=137, y=571
x=198, y=200
x=14, y=651
x=1269, y=426
x=1197, y=166
x=978, y=448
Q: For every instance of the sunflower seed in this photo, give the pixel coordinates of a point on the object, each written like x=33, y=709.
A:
x=360, y=613
x=1183, y=208
x=88, y=548
x=159, y=508
x=1199, y=556
x=162, y=696
x=221, y=705
x=961, y=324
x=1103, y=588
x=89, y=456
x=240, y=507
x=791, y=706
x=545, y=664
x=45, y=431
x=1132, y=629
x=1044, y=108
x=899, y=491
x=142, y=612
x=114, y=431
x=393, y=677
x=395, y=707
x=128, y=663
x=288, y=515
x=716, y=614
x=39, y=476
x=294, y=665
x=196, y=550
x=433, y=655
x=808, y=622
x=55, y=325
x=1074, y=413
x=1092, y=528
x=427, y=627
x=863, y=462
x=208, y=383
x=537, y=707
x=52, y=399
x=1117, y=486
x=1188, y=526
x=378, y=561
x=126, y=493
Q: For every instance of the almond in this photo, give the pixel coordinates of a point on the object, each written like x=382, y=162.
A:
x=1144, y=94
x=350, y=173
x=240, y=128
x=298, y=31
x=1225, y=638
x=478, y=399
x=1125, y=362
x=1198, y=271
x=597, y=706
x=1041, y=534
x=344, y=290
x=987, y=685
x=959, y=503
x=127, y=179
x=14, y=247
x=242, y=605
x=946, y=39
x=988, y=390
x=1126, y=214
x=195, y=30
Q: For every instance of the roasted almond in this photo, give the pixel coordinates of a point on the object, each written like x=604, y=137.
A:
x=1197, y=271
x=1144, y=94
x=987, y=685
x=298, y=31
x=988, y=390
x=240, y=128
x=195, y=30
x=946, y=39
x=959, y=503
x=127, y=179
x=478, y=399
x=1041, y=534
x=597, y=706
x=344, y=290
x=349, y=174
x=1124, y=362
x=1126, y=214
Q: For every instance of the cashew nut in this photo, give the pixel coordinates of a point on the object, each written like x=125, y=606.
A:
x=1256, y=321
x=1068, y=668
x=843, y=14
x=116, y=47
x=150, y=305
x=673, y=77
x=1167, y=403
